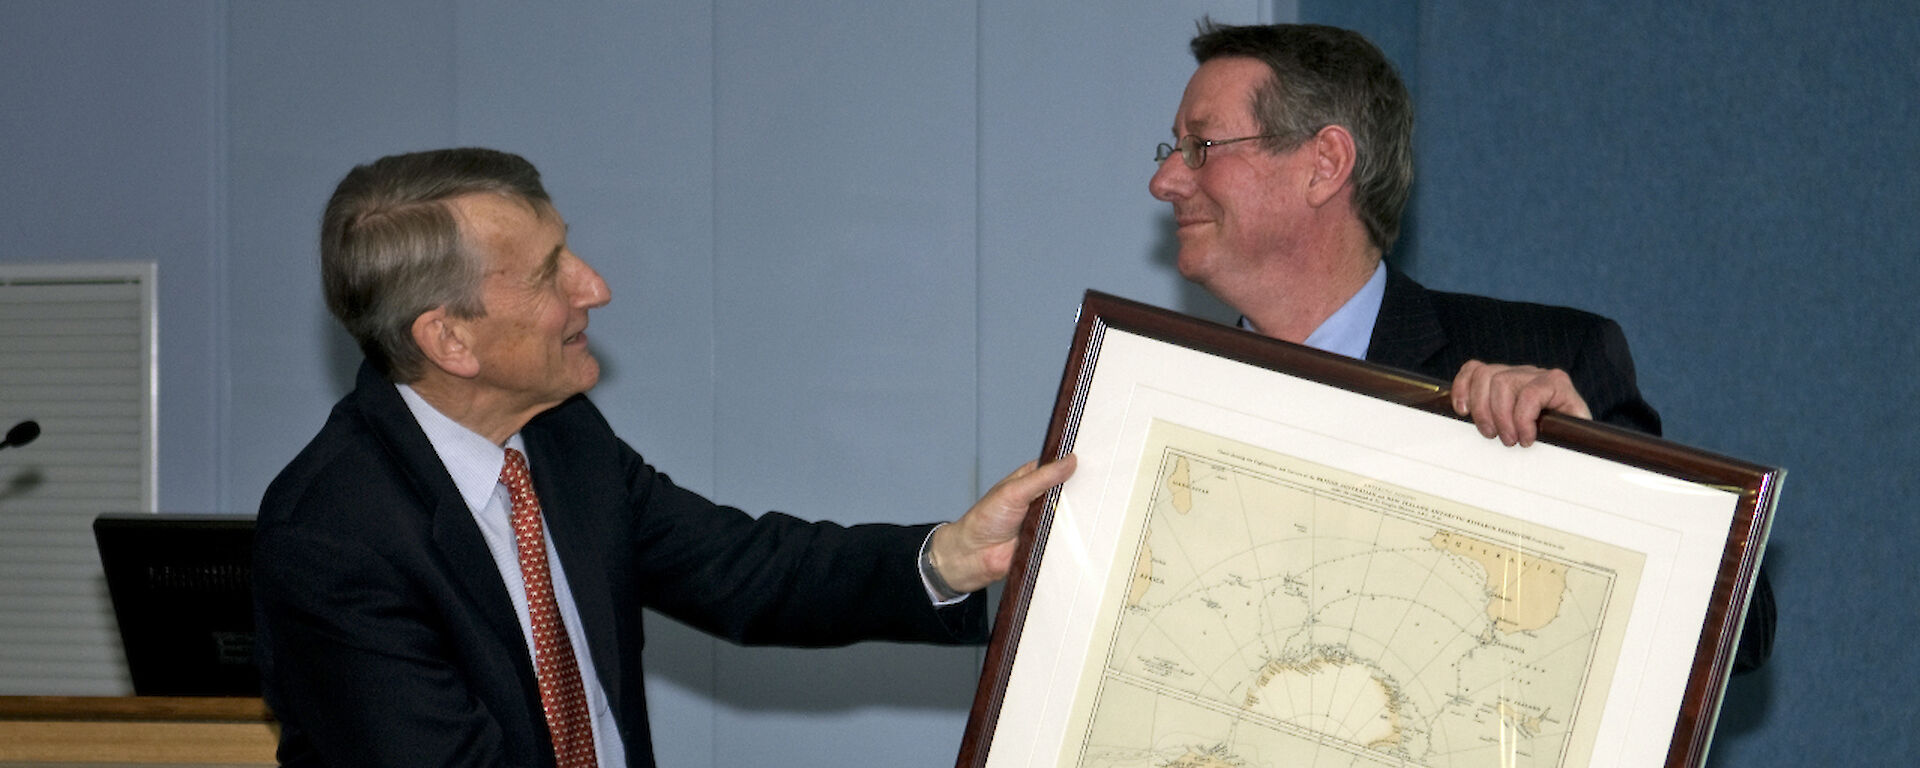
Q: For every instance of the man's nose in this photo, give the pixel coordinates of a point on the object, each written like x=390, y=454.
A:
x=1172, y=180
x=589, y=289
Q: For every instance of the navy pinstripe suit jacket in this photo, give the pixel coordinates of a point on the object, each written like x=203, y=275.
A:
x=1434, y=333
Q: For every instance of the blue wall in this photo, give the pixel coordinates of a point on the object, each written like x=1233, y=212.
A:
x=110, y=119
x=1738, y=183
x=845, y=250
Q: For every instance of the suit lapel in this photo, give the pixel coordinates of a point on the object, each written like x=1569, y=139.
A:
x=580, y=535
x=1407, y=334
x=472, y=567
x=454, y=533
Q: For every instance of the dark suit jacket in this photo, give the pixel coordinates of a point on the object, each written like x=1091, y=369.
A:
x=1434, y=333
x=386, y=636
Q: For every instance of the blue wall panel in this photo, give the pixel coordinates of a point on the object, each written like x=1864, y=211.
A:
x=843, y=338
x=845, y=250
x=312, y=91
x=1733, y=182
x=110, y=130
x=1073, y=105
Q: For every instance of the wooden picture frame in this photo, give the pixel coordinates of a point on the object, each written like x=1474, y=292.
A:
x=1273, y=555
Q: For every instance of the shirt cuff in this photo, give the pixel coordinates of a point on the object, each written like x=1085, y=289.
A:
x=938, y=591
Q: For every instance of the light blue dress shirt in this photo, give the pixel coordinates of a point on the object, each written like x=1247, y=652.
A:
x=475, y=462
x=1350, y=328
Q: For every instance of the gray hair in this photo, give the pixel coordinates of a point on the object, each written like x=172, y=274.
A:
x=390, y=247
x=1330, y=76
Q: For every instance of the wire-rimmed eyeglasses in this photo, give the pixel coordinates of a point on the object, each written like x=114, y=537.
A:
x=1193, y=149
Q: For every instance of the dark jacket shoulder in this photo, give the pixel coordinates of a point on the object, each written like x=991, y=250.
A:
x=1435, y=332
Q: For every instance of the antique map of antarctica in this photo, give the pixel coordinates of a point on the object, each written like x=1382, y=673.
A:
x=1275, y=612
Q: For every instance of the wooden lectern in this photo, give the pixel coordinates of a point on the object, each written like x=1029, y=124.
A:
x=116, y=732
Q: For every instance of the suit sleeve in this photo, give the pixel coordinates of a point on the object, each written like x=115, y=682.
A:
x=777, y=579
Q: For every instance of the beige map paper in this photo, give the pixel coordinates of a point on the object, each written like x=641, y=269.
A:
x=1282, y=613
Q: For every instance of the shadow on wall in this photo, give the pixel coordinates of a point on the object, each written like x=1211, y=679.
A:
x=812, y=680
x=22, y=483
x=1743, y=710
x=343, y=355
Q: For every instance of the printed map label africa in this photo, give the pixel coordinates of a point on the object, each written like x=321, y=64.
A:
x=1282, y=613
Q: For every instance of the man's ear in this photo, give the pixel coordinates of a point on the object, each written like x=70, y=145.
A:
x=443, y=339
x=1334, y=154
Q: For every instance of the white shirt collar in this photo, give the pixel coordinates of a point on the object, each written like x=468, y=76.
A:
x=472, y=460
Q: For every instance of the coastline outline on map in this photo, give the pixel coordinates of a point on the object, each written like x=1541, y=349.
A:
x=1278, y=611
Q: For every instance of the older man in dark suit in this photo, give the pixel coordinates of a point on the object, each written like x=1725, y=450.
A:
x=452, y=572
x=1291, y=163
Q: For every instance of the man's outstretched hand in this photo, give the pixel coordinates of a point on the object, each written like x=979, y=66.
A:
x=977, y=549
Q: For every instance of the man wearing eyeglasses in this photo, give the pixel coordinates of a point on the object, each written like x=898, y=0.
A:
x=1291, y=163
x=1292, y=160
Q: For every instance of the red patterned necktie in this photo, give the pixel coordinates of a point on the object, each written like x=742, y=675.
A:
x=561, y=693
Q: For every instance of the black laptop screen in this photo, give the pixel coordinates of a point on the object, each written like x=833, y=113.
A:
x=182, y=588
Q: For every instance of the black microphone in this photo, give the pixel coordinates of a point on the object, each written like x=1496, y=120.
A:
x=21, y=434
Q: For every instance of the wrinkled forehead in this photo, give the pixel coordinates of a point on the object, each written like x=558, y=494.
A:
x=501, y=227
x=479, y=211
x=491, y=204
x=1219, y=97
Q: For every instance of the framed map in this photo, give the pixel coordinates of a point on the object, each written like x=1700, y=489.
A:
x=1275, y=556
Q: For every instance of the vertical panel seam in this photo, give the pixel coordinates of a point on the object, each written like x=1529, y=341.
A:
x=979, y=259
x=979, y=237
x=713, y=340
x=220, y=243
